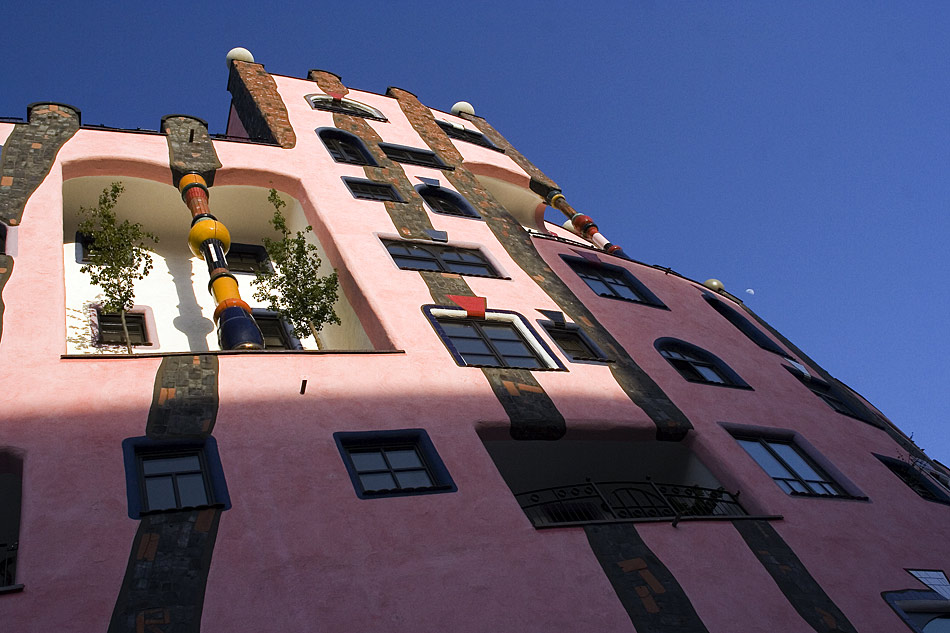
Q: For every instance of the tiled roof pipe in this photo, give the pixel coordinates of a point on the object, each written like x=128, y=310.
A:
x=582, y=224
x=211, y=240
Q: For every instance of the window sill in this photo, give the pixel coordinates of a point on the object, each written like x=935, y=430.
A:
x=812, y=495
x=210, y=506
x=691, y=519
x=230, y=352
x=658, y=306
x=11, y=589
x=720, y=384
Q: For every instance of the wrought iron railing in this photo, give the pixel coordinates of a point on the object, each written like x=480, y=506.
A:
x=8, y=564
x=626, y=501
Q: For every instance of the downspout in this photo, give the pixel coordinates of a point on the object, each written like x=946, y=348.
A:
x=211, y=240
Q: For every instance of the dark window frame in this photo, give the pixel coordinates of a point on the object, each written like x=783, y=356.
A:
x=608, y=275
x=744, y=325
x=137, y=449
x=437, y=252
x=555, y=330
x=696, y=358
x=434, y=197
x=450, y=345
x=365, y=189
x=810, y=485
x=343, y=144
x=350, y=107
x=286, y=334
x=827, y=393
x=349, y=442
x=460, y=133
x=916, y=480
x=258, y=253
x=136, y=322
x=413, y=156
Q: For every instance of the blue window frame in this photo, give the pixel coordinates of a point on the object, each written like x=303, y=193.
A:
x=393, y=463
x=698, y=365
x=345, y=147
x=168, y=475
x=612, y=282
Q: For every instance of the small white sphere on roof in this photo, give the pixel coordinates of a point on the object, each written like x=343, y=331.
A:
x=714, y=285
x=463, y=106
x=240, y=54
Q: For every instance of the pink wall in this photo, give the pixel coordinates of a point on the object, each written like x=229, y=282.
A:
x=299, y=550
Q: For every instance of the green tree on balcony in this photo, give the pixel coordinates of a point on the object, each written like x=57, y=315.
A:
x=118, y=255
x=294, y=289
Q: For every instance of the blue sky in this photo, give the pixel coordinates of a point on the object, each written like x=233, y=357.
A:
x=798, y=149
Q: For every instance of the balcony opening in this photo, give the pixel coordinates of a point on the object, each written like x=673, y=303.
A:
x=581, y=482
x=176, y=290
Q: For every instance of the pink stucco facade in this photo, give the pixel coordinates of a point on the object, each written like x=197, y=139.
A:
x=298, y=550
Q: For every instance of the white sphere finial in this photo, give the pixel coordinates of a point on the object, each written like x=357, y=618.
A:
x=463, y=106
x=240, y=54
x=714, y=284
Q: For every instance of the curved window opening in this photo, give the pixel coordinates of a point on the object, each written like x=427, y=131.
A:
x=612, y=282
x=345, y=147
x=446, y=202
x=697, y=365
x=745, y=326
x=344, y=106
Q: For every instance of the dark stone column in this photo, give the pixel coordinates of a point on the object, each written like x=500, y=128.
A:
x=167, y=573
x=670, y=422
x=258, y=104
x=788, y=572
x=655, y=602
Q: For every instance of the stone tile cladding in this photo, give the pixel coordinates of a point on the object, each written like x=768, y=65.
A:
x=532, y=413
x=29, y=153
x=6, y=269
x=27, y=156
x=802, y=591
x=653, y=598
x=165, y=579
x=671, y=423
x=189, y=148
x=258, y=104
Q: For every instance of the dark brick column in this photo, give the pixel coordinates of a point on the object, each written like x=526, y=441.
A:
x=532, y=413
x=189, y=148
x=27, y=158
x=164, y=585
x=788, y=572
x=655, y=602
x=258, y=104
x=29, y=153
x=670, y=422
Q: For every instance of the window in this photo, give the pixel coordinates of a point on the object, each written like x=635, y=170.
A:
x=393, y=463
x=276, y=332
x=743, y=324
x=697, y=365
x=248, y=258
x=438, y=257
x=111, y=332
x=344, y=106
x=933, y=578
x=83, y=242
x=501, y=339
x=413, y=156
x=3, y=238
x=446, y=202
x=11, y=494
x=829, y=394
x=173, y=475
x=915, y=480
x=345, y=147
x=790, y=468
x=469, y=136
x=612, y=281
x=573, y=342
x=370, y=190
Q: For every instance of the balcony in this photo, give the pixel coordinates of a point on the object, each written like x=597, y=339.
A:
x=626, y=501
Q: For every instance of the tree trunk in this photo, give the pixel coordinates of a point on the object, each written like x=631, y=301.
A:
x=313, y=331
x=125, y=331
